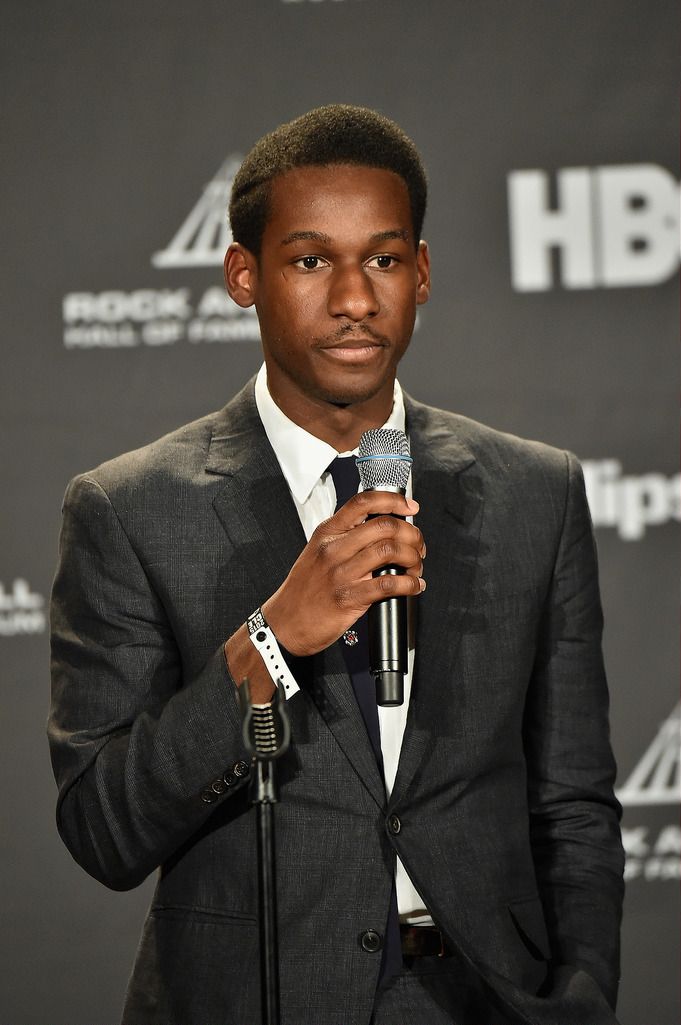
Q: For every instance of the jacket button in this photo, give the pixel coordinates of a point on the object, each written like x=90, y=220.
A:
x=240, y=769
x=394, y=825
x=208, y=796
x=218, y=786
x=371, y=941
x=228, y=778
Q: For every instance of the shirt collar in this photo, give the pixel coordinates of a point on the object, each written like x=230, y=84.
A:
x=302, y=457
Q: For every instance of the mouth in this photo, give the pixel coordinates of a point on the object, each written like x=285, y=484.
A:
x=354, y=348
x=356, y=353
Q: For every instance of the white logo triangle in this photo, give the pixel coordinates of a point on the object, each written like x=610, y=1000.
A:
x=204, y=236
x=656, y=779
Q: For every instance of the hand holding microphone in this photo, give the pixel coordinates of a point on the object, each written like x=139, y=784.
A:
x=367, y=554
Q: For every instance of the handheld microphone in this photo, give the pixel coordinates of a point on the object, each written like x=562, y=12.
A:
x=384, y=464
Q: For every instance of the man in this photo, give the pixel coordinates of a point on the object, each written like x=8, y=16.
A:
x=484, y=813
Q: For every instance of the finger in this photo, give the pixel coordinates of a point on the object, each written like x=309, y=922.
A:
x=364, y=593
x=396, y=527
x=392, y=585
x=341, y=545
x=373, y=503
x=384, y=552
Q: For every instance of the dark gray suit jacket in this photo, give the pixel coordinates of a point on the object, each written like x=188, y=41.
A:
x=509, y=827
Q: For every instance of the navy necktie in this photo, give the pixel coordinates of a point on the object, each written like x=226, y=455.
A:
x=355, y=646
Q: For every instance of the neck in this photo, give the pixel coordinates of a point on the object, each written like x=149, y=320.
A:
x=342, y=426
x=339, y=425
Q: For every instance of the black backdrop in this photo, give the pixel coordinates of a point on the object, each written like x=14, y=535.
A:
x=549, y=131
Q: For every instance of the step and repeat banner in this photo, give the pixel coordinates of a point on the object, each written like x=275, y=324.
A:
x=549, y=133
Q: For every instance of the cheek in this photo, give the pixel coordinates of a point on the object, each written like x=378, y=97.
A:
x=300, y=311
x=399, y=298
x=402, y=309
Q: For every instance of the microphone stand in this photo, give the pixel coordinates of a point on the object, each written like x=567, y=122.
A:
x=266, y=733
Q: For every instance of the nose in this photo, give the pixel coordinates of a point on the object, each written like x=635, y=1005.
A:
x=352, y=294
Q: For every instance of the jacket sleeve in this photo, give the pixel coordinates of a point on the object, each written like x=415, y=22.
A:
x=574, y=816
x=140, y=753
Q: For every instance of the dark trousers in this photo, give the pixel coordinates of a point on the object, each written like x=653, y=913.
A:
x=432, y=991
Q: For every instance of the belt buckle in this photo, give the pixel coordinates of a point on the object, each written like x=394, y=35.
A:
x=423, y=941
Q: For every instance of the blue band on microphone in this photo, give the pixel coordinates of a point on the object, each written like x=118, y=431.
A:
x=384, y=455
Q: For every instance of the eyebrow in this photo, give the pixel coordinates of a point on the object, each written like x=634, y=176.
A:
x=385, y=236
x=319, y=236
x=302, y=236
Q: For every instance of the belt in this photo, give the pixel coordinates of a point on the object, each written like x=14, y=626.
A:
x=423, y=941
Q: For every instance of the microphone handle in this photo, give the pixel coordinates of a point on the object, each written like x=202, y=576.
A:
x=388, y=656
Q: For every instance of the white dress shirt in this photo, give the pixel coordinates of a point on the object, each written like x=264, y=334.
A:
x=304, y=460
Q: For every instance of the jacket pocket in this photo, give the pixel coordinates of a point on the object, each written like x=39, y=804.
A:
x=527, y=916
x=198, y=913
x=195, y=965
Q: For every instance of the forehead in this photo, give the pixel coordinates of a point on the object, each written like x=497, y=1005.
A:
x=337, y=199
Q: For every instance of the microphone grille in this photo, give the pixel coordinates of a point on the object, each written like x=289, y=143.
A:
x=384, y=460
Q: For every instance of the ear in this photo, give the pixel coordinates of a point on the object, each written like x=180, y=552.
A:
x=241, y=274
x=422, y=274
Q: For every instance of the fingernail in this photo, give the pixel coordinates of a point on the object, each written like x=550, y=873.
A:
x=422, y=583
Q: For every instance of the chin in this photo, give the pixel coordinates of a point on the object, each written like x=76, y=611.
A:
x=349, y=396
x=349, y=387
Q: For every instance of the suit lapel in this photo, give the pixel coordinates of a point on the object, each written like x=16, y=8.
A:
x=254, y=504
x=447, y=485
x=258, y=515
x=335, y=699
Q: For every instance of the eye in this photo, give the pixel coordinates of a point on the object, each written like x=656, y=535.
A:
x=309, y=262
x=383, y=262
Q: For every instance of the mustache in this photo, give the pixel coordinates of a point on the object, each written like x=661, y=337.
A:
x=346, y=333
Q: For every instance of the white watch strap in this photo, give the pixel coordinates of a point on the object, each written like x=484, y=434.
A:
x=267, y=647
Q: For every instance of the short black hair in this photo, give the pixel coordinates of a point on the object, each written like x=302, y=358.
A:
x=334, y=134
